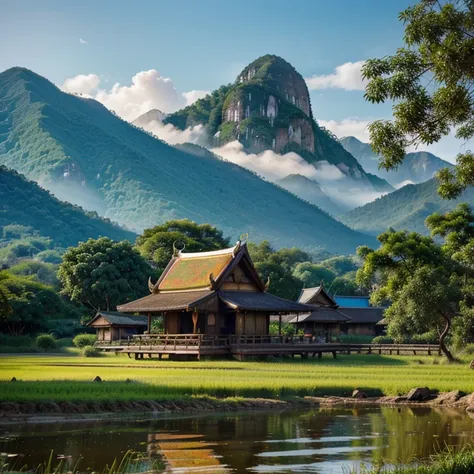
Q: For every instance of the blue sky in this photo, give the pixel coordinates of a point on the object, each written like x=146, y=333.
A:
x=202, y=45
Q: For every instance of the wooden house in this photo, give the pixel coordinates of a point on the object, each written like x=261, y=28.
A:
x=112, y=326
x=212, y=293
x=325, y=320
x=365, y=320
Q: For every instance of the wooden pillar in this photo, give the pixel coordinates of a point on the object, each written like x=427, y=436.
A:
x=149, y=323
x=279, y=324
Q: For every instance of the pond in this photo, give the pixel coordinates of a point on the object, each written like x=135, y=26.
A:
x=324, y=440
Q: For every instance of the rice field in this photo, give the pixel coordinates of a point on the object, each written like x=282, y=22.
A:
x=63, y=377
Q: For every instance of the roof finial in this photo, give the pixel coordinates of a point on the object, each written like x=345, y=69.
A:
x=176, y=250
x=267, y=284
x=152, y=287
x=243, y=238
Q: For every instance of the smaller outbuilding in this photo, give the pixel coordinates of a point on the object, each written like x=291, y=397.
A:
x=113, y=326
x=336, y=315
x=364, y=319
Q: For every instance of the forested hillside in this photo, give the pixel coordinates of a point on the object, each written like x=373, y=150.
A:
x=406, y=208
x=24, y=203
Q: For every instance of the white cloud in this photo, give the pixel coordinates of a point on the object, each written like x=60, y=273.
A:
x=347, y=76
x=83, y=41
x=328, y=172
x=194, y=95
x=349, y=127
x=82, y=84
x=174, y=136
x=148, y=90
x=268, y=164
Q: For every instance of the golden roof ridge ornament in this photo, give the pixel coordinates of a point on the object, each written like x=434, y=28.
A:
x=176, y=250
x=242, y=241
x=267, y=284
x=152, y=287
x=212, y=281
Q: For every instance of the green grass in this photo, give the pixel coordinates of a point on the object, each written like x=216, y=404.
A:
x=449, y=462
x=67, y=377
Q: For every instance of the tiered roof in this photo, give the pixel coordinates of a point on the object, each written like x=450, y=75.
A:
x=193, y=279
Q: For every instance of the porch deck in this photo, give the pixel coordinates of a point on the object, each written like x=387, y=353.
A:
x=197, y=345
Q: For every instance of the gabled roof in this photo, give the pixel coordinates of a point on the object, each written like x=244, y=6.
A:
x=167, y=301
x=322, y=315
x=205, y=270
x=369, y=315
x=317, y=294
x=260, y=301
x=119, y=319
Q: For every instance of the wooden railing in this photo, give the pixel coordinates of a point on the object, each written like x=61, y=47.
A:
x=169, y=342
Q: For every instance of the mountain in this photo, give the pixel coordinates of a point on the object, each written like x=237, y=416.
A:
x=77, y=145
x=310, y=191
x=268, y=108
x=406, y=208
x=153, y=115
x=24, y=203
x=417, y=167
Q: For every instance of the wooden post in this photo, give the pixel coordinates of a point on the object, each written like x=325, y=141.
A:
x=149, y=323
x=279, y=324
x=195, y=320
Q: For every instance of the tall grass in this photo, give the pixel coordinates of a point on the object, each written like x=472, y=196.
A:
x=131, y=463
x=449, y=462
x=69, y=378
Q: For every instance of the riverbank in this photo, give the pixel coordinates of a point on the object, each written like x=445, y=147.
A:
x=50, y=411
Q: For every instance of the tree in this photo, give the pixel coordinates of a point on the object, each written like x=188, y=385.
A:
x=28, y=305
x=457, y=229
x=278, y=265
x=345, y=286
x=431, y=82
x=312, y=274
x=102, y=273
x=420, y=280
x=44, y=272
x=156, y=244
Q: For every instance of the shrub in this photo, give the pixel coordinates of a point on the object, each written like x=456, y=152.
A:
x=83, y=340
x=425, y=338
x=382, y=340
x=64, y=342
x=91, y=351
x=45, y=342
x=15, y=341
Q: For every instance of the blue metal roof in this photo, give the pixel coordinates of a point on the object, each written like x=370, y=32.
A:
x=352, y=301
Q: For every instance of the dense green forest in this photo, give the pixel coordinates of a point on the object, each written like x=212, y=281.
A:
x=141, y=181
x=32, y=221
x=406, y=208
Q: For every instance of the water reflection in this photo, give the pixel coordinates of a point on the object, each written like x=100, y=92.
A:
x=323, y=440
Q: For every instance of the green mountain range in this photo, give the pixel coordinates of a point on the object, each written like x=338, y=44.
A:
x=406, y=208
x=417, y=167
x=86, y=154
x=24, y=203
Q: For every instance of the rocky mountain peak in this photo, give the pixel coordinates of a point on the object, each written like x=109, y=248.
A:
x=268, y=108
